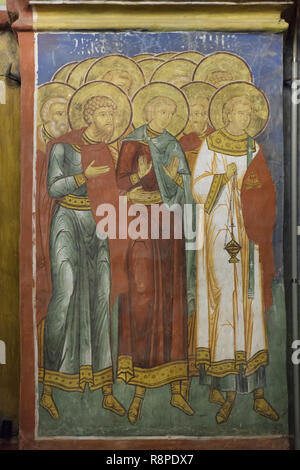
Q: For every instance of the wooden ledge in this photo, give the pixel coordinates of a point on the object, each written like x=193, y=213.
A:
x=95, y=17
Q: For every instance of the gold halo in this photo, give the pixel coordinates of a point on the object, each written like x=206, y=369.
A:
x=62, y=73
x=142, y=97
x=175, y=71
x=148, y=66
x=116, y=62
x=52, y=90
x=260, y=105
x=235, y=66
x=198, y=90
x=195, y=89
x=139, y=57
x=191, y=55
x=165, y=55
x=123, y=114
x=77, y=73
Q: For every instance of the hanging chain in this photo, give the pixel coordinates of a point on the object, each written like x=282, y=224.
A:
x=231, y=210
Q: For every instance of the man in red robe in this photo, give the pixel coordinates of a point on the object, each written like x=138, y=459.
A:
x=197, y=129
x=152, y=169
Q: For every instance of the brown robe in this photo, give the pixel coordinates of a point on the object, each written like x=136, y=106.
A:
x=258, y=198
x=153, y=314
x=191, y=144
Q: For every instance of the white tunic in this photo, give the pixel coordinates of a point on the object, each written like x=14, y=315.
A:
x=231, y=327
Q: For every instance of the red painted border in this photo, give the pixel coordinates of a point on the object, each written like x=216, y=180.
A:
x=27, y=388
x=20, y=14
x=228, y=443
x=4, y=20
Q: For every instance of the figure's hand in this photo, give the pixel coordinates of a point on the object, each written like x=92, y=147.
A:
x=172, y=169
x=131, y=195
x=93, y=171
x=144, y=166
x=230, y=170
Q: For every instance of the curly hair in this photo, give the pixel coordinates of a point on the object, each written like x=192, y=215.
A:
x=94, y=103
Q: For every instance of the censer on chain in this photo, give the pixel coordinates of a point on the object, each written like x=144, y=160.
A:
x=232, y=247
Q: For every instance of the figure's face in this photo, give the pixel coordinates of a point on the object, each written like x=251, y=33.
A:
x=199, y=117
x=103, y=120
x=120, y=78
x=58, y=119
x=240, y=117
x=162, y=116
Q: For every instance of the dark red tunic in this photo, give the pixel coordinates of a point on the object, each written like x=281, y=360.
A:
x=258, y=198
x=102, y=189
x=191, y=144
x=153, y=314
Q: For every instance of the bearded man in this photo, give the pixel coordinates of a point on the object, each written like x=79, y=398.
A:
x=53, y=115
x=197, y=129
x=81, y=174
x=54, y=118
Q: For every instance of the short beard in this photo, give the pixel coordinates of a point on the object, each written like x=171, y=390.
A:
x=57, y=130
x=197, y=128
x=105, y=135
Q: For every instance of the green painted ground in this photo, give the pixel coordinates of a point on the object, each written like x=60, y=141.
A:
x=81, y=414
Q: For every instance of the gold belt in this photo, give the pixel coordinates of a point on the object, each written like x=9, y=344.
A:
x=77, y=203
x=139, y=196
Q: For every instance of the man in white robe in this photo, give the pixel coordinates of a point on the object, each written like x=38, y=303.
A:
x=232, y=345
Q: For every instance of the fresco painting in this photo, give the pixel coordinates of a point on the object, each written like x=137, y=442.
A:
x=159, y=218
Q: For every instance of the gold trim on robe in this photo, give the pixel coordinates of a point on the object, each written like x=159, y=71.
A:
x=134, y=178
x=231, y=366
x=154, y=377
x=178, y=180
x=77, y=203
x=75, y=147
x=140, y=196
x=214, y=190
x=222, y=142
x=70, y=382
x=80, y=179
x=77, y=382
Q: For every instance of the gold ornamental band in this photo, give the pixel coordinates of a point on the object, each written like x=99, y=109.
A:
x=193, y=369
x=77, y=382
x=153, y=377
x=79, y=203
x=221, y=141
x=231, y=366
x=139, y=196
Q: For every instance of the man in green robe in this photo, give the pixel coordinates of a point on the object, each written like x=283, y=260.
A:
x=77, y=349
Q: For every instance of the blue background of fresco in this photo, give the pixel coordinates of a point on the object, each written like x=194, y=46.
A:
x=263, y=53
x=81, y=414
